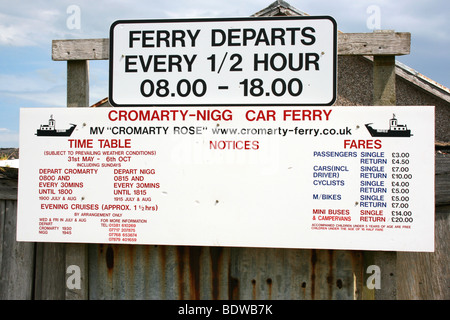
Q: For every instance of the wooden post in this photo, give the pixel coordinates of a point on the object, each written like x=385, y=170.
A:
x=77, y=83
x=76, y=255
x=386, y=261
x=384, y=81
x=53, y=260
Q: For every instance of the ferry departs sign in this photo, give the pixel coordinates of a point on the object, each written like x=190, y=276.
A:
x=295, y=177
x=233, y=61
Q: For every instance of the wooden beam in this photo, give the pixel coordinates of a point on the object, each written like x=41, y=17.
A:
x=80, y=49
x=374, y=43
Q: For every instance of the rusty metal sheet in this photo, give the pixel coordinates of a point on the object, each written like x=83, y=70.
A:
x=217, y=273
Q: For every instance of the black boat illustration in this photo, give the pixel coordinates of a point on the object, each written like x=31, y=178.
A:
x=49, y=130
x=395, y=130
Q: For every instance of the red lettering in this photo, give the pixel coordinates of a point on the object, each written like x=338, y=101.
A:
x=306, y=115
x=234, y=145
x=80, y=143
x=264, y=115
x=110, y=117
x=114, y=143
x=377, y=144
x=362, y=144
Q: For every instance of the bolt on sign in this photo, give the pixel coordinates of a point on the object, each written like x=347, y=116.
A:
x=231, y=61
x=295, y=177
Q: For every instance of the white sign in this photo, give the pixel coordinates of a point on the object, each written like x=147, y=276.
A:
x=238, y=61
x=313, y=177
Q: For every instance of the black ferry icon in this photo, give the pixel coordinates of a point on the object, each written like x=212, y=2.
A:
x=395, y=129
x=49, y=130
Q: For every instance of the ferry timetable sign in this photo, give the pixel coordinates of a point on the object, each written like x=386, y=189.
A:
x=232, y=61
x=314, y=177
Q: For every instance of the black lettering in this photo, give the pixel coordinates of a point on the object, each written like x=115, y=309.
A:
x=159, y=61
x=217, y=43
x=299, y=66
x=147, y=36
x=265, y=62
x=132, y=38
x=310, y=36
x=144, y=65
x=249, y=34
x=178, y=36
x=232, y=35
x=292, y=31
x=129, y=63
x=262, y=37
x=163, y=36
x=278, y=33
x=309, y=60
x=193, y=36
x=175, y=61
x=283, y=62
x=189, y=62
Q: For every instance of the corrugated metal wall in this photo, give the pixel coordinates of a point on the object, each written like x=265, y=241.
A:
x=176, y=272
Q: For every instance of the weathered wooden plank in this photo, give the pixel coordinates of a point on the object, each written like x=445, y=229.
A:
x=386, y=261
x=16, y=258
x=80, y=49
x=442, y=179
x=50, y=272
x=425, y=274
x=76, y=271
x=376, y=43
